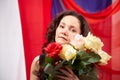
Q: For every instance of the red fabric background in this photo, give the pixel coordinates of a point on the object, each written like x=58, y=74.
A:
x=35, y=16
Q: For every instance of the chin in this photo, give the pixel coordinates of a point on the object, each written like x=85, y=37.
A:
x=61, y=42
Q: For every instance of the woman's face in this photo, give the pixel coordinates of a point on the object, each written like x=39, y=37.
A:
x=68, y=27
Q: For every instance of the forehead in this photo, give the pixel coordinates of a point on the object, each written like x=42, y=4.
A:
x=70, y=20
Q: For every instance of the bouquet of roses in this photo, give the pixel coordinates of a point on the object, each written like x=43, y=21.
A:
x=81, y=55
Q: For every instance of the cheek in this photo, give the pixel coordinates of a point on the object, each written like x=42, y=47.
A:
x=56, y=33
x=71, y=37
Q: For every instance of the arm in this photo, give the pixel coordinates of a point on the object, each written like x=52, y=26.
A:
x=34, y=69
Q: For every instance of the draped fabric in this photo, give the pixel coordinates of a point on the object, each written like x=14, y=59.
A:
x=102, y=15
x=35, y=17
x=12, y=62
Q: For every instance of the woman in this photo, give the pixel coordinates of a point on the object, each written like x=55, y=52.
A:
x=62, y=30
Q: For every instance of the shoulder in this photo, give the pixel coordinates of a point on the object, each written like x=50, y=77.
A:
x=34, y=68
x=35, y=60
x=35, y=63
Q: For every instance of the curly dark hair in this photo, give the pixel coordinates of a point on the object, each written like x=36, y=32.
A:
x=55, y=22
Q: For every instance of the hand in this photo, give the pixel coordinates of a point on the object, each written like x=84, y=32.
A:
x=69, y=75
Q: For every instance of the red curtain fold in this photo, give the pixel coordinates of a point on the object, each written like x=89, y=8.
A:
x=35, y=16
x=94, y=17
x=115, y=48
x=103, y=30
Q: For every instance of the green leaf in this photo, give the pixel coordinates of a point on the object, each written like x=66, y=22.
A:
x=49, y=60
x=88, y=58
x=48, y=68
x=94, y=57
x=90, y=73
x=59, y=65
x=78, y=64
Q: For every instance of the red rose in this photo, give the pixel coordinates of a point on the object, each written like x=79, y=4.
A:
x=53, y=49
x=88, y=51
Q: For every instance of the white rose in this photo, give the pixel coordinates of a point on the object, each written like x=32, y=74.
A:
x=93, y=43
x=78, y=41
x=67, y=52
x=104, y=57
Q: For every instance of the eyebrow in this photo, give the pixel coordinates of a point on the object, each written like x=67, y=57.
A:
x=71, y=26
x=62, y=23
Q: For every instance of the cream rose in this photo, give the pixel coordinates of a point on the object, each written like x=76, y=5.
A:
x=78, y=41
x=104, y=57
x=93, y=43
x=67, y=52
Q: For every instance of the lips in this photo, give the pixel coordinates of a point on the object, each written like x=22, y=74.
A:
x=63, y=38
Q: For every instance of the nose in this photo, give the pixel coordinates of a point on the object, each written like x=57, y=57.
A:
x=65, y=32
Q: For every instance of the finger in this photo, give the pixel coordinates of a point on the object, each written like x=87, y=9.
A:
x=66, y=73
x=62, y=77
x=69, y=70
x=59, y=77
x=71, y=73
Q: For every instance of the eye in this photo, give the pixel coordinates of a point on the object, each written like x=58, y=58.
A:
x=73, y=30
x=61, y=26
